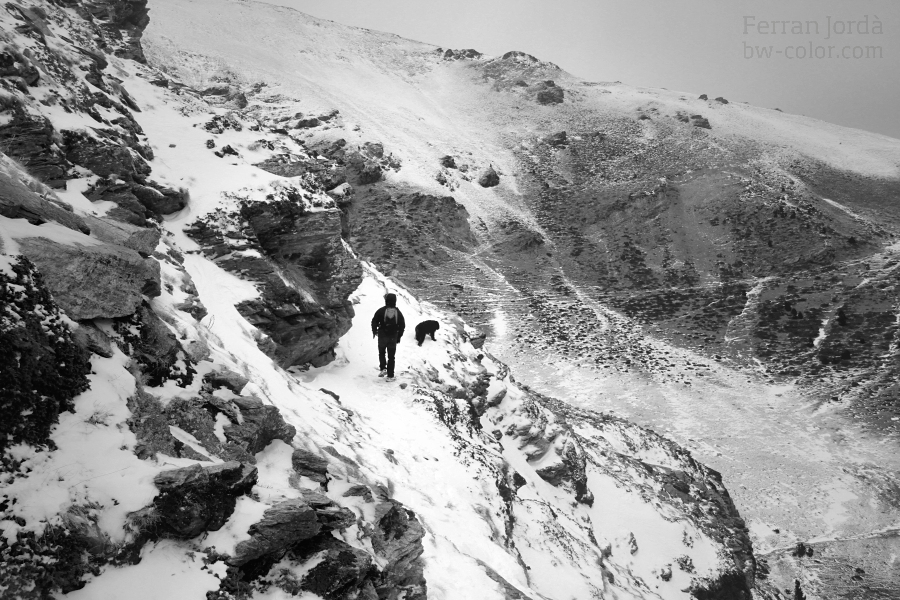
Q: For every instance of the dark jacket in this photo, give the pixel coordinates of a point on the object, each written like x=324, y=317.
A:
x=378, y=321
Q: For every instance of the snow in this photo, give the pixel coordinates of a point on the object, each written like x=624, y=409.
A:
x=17, y=229
x=247, y=511
x=90, y=465
x=164, y=572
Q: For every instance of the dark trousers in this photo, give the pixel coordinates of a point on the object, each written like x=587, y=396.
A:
x=387, y=342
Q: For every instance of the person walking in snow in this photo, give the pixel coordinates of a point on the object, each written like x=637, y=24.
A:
x=388, y=325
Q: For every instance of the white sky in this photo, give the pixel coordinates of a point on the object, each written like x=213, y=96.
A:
x=687, y=45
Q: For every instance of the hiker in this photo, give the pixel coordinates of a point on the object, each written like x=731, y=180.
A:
x=388, y=325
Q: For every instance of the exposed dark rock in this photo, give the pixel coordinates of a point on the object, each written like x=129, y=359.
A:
x=341, y=572
x=194, y=499
x=262, y=424
x=153, y=346
x=289, y=523
x=704, y=97
x=700, y=121
x=41, y=366
x=89, y=337
x=31, y=140
x=89, y=282
x=489, y=178
x=159, y=200
x=549, y=93
x=468, y=53
x=397, y=539
x=103, y=156
x=225, y=95
x=310, y=465
x=226, y=379
x=721, y=100
x=448, y=162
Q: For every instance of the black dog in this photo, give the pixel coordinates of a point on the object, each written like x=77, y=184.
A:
x=426, y=328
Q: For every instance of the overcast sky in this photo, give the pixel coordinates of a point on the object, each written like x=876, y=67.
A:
x=697, y=46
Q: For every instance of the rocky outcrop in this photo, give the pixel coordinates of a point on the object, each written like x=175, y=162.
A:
x=41, y=366
x=90, y=282
x=305, y=277
x=290, y=523
x=260, y=425
x=123, y=22
x=194, y=499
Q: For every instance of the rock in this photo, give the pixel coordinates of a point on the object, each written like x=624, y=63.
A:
x=557, y=139
x=83, y=526
x=225, y=95
x=159, y=200
x=549, y=93
x=700, y=121
x=262, y=424
x=31, y=140
x=226, y=379
x=103, y=156
x=154, y=348
x=285, y=524
x=90, y=282
x=666, y=573
x=195, y=499
x=340, y=571
x=448, y=162
x=704, y=97
x=489, y=178
x=397, y=540
x=142, y=240
x=310, y=465
x=721, y=100
x=362, y=491
x=92, y=339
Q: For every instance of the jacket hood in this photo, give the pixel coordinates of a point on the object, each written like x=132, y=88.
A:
x=390, y=299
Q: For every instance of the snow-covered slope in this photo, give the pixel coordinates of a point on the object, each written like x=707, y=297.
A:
x=198, y=451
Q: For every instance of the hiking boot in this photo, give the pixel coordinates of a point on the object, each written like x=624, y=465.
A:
x=382, y=373
x=391, y=378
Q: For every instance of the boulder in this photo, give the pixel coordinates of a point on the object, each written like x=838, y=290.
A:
x=159, y=200
x=448, y=162
x=150, y=342
x=549, y=93
x=90, y=282
x=262, y=424
x=285, y=524
x=226, y=379
x=196, y=499
x=310, y=465
x=489, y=178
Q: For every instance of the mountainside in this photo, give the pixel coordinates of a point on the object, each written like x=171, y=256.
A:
x=203, y=203
x=742, y=233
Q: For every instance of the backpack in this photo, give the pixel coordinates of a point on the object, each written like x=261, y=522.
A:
x=390, y=322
